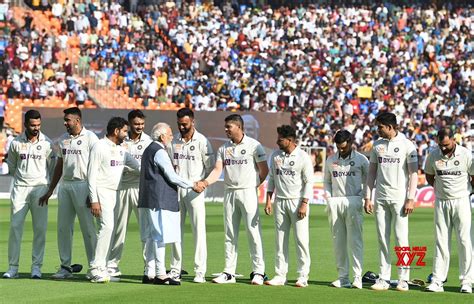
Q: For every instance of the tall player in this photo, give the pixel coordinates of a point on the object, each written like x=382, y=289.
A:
x=135, y=144
x=31, y=162
x=107, y=161
x=193, y=159
x=394, y=165
x=73, y=195
x=344, y=184
x=450, y=170
x=291, y=178
x=245, y=168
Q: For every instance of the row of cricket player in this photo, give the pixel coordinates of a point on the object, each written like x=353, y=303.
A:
x=102, y=179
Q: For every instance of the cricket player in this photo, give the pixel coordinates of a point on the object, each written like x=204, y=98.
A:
x=193, y=159
x=450, y=170
x=394, y=165
x=245, y=168
x=344, y=184
x=134, y=144
x=73, y=157
x=107, y=161
x=291, y=178
x=31, y=162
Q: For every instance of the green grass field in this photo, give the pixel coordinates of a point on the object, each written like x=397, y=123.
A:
x=130, y=289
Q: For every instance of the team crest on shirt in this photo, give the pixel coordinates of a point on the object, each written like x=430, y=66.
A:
x=243, y=152
x=79, y=142
x=292, y=163
x=456, y=162
x=278, y=163
x=335, y=164
x=192, y=148
x=139, y=147
x=396, y=149
x=228, y=152
x=121, y=153
x=352, y=163
x=23, y=147
x=38, y=148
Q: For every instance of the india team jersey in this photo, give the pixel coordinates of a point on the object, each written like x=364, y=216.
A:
x=75, y=150
x=291, y=174
x=392, y=158
x=240, y=163
x=194, y=159
x=31, y=163
x=107, y=161
x=452, y=174
x=346, y=176
x=131, y=178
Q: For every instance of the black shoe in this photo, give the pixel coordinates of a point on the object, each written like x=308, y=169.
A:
x=167, y=281
x=147, y=280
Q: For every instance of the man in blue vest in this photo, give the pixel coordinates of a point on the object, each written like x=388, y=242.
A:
x=158, y=204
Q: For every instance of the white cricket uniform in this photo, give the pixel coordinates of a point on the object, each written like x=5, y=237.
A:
x=241, y=180
x=107, y=162
x=291, y=178
x=392, y=158
x=193, y=160
x=344, y=183
x=128, y=199
x=452, y=210
x=31, y=164
x=73, y=193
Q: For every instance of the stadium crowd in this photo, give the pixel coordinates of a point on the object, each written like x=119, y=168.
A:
x=310, y=60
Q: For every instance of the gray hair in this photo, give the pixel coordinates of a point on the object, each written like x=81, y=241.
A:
x=158, y=130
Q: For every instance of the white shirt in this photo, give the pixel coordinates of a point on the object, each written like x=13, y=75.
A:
x=31, y=164
x=291, y=175
x=345, y=177
x=240, y=163
x=162, y=160
x=107, y=161
x=75, y=151
x=392, y=158
x=131, y=178
x=452, y=174
x=193, y=160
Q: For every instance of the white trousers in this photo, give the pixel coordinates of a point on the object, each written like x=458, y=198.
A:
x=345, y=222
x=127, y=202
x=105, y=222
x=238, y=204
x=286, y=218
x=388, y=212
x=453, y=215
x=22, y=200
x=155, y=259
x=192, y=202
x=71, y=201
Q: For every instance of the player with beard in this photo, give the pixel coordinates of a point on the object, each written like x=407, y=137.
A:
x=31, y=162
x=193, y=159
x=107, y=161
x=135, y=143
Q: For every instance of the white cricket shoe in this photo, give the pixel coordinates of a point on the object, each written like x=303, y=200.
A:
x=341, y=283
x=100, y=279
x=435, y=286
x=357, y=283
x=276, y=281
x=36, y=273
x=114, y=272
x=12, y=273
x=224, y=278
x=301, y=282
x=199, y=278
x=257, y=279
x=466, y=288
x=402, y=285
x=62, y=274
x=380, y=284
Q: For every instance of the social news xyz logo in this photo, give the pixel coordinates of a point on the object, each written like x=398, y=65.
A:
x=407, y=255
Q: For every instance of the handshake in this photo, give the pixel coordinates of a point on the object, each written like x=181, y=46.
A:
x=200, y=186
